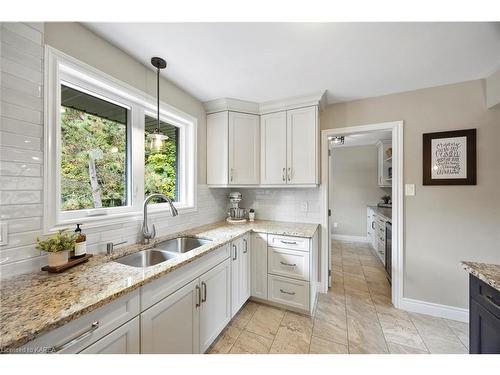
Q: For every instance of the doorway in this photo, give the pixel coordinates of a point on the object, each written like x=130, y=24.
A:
x=395, y=129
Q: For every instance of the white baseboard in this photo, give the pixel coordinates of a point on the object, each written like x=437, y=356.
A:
x=435, y=309
x=343, y=237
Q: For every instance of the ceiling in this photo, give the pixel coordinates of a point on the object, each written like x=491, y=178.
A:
x=362, y=139
x=267, y=61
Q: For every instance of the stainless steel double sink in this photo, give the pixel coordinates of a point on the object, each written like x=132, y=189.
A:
x=162, y=252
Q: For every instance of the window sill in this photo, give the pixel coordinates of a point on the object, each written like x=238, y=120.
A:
x=116, y=219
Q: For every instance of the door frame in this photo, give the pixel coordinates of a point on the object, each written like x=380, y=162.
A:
x=396, y=127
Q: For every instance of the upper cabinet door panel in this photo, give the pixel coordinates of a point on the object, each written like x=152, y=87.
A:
x=217, y=148
x=244, y=150
x=273, y=148
x=302, y=141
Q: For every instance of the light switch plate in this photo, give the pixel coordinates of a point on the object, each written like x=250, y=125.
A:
x=409, y=190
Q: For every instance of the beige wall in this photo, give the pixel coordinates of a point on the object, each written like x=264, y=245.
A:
x=81, y=43
x=353, y=186
x=443, y=224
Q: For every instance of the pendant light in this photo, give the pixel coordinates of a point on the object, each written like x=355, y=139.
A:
x=157, y=137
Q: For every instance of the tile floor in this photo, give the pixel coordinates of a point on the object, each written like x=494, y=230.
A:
x=355, y=316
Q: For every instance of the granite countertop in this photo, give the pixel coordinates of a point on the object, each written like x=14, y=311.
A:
x=386, y=212
x=487, y=272
x=35, y=303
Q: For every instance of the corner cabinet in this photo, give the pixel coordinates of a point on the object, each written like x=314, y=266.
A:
x=290, y=147
x=233, y=149
x=240, y=273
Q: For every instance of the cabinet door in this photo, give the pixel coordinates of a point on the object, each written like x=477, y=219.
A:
x=235, y=275
x=273, y=148
x=258, y=256
x=245, y=270
x=123, y=340
x=244, y=149
x=215, y=310
x=302, y=146
x=217, y=149
x=172, y=325
x=484, y=330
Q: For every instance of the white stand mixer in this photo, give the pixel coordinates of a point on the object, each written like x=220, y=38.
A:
x=236, y=215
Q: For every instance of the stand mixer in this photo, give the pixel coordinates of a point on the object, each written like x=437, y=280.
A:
x=236, y=214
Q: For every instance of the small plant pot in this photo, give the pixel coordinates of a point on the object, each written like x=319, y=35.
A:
x=58, y=259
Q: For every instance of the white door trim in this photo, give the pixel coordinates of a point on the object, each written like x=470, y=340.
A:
x=397, y=199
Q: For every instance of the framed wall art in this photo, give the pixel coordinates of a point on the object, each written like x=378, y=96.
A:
x=449, y=158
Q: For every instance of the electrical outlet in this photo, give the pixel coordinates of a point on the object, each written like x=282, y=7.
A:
x=304, y=207
x=335, y=224
x=410, y=190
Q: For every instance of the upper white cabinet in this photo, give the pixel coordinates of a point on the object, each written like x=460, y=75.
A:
x=273, y=142
x=267, y=144
x=302, y=134
x=233, y=148
x=289, y=147
x=384, y=163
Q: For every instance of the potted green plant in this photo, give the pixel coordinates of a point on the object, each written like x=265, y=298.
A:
x=386, y=198
x=57, y=246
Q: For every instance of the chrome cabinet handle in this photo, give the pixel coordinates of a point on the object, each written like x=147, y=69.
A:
x=373, y=223
x=246, y=245
x=204, y=290
x=285, y=292
x=284, y=173
x=288, y=264
x=289, y=174
x=232, y=174
x=289, y=242
x=82, y=336
x=235, y=252
x=198, y=296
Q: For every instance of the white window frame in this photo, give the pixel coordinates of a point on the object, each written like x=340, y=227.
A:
x=63, y=69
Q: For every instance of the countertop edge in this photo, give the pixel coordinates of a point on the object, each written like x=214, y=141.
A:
x=477, y=269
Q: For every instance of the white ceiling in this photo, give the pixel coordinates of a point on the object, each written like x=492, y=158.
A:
x=266, y=61
x=362, y=139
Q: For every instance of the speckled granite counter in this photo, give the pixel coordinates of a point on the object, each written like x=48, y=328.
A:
x=489, y=273
x=386, y=212
x=35, y=303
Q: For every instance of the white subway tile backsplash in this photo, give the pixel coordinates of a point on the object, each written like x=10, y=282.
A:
x=19, y=169
x=23, y=266
x=24, y=30
x=14, y=54
x=24, y=225
x=18, y=155
x=20, y=197
x=9, y=66
x=25, y=45
x=22, y=85
x=21, y=99
x=18, y=211
x=20, y=113
x=20, y=141
x=21, y=183
x=18, y=253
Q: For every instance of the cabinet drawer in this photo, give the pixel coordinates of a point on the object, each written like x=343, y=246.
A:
x=289, y=263
x=485, y=295
x=287, y=242
x=86, y=330
x=294, y=293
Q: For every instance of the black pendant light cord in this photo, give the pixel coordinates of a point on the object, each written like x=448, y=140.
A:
x=158, y=63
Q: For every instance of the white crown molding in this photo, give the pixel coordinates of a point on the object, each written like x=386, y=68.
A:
x=230, y=104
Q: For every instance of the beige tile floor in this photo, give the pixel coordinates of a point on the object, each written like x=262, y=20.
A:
x=355, y=316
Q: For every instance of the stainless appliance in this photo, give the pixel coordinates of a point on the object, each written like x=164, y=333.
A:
x=236, y=214
x=388, y=249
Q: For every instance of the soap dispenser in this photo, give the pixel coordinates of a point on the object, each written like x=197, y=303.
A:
x=80, y=242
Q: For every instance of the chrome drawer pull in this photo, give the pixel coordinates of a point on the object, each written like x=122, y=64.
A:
x=285, y=292
x=284, y=179
x=80, y=337
x=288, y=264
x=198, y=296
x=204, y=288
x=246, y=245
x=235, y=252
x=289, y=242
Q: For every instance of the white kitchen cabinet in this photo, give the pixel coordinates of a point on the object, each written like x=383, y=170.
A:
x=240, y=273
x=123, y=340
x=370, y=227
x=384, y=163
x=233, y=149
x=244, y=149
x=173, y=324
x=215, y=310
x=302, y=134
x=258, y=269
x=273, y=149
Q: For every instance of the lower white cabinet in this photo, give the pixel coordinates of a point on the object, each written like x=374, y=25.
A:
x=240, y=272
x=172, y=325
x=215, y=309
x=190, y=319
x=258, y=267
x=123, y=340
